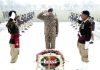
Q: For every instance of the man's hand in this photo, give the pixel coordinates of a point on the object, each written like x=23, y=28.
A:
x=79, y=34
x=56, y=34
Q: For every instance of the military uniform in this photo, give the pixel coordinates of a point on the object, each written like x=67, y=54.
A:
x=84, y=37
x=14, y=40
x=51, y=29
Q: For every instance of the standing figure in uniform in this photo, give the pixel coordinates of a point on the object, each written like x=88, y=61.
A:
x=51, y=27
x=84, y=36
x=14, y=39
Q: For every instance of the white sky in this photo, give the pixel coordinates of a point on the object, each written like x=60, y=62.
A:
x=53, y=2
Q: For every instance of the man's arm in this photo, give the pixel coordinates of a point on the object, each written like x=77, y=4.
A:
x=41, y=16
x=57, y=26
x=88, y=31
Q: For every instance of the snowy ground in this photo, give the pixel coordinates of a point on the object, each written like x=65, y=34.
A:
x=32, y=42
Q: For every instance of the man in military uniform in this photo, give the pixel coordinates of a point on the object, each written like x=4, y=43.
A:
x=51, y=27
x=84, y=36
x=14, y=39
